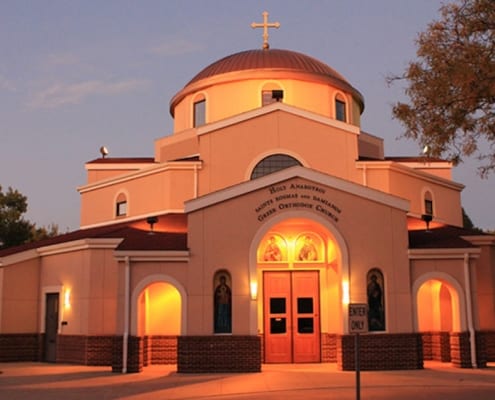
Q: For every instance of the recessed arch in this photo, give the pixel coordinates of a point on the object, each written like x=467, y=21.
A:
x=142, y=285
x=457, y=300
x=333, y=232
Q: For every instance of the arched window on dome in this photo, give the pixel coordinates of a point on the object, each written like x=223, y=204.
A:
x=273, y=163
x=199, y=111
x=271, y=93
x=340, y=108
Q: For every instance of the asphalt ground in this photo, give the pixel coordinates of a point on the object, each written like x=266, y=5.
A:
x=276, y=381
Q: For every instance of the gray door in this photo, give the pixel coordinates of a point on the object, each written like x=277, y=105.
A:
x=51, y=327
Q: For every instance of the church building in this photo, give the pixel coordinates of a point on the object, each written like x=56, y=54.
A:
x=247, y=234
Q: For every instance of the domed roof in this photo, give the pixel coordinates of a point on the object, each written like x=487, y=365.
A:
x=273, y=60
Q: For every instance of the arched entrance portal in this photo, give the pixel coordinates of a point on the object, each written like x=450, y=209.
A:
x=439, y=316
x=159, y=322
x=299, y=268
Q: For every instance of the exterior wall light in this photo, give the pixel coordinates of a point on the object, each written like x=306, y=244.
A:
x=254, y=290
x=345, y=293
x=67, y=299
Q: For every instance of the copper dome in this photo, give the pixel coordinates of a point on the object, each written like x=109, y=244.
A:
x=272, y=59
x=259, y=59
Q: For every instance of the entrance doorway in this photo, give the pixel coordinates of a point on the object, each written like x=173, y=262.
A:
x=51, y=327
x=291, y=316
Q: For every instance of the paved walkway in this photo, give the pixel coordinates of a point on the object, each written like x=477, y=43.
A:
x=288, y=382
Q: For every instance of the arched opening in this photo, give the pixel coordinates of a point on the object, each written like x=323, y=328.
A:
x=300, y=275
x=340, y=108
x=273, y=163
x=121, y=206
x=271, y=93
x=159, y=308
x=438, y=316
x=199, y=110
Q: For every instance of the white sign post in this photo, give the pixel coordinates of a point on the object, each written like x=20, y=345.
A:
x=358, y=323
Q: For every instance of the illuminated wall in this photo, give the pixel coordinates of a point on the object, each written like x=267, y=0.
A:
x=159, y=310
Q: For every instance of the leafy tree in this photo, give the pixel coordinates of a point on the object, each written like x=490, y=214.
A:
x=14, y=229
x=451, y=86
x=467, y=223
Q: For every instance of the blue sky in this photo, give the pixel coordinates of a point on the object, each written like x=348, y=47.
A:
x=76, y=75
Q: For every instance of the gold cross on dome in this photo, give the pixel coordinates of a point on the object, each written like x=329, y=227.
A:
x=265, y=25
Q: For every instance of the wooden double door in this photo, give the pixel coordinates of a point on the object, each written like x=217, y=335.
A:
x=291, y=301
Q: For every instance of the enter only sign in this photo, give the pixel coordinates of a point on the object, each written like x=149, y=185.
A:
x=358, y=318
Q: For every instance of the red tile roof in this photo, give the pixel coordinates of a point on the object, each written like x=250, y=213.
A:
x=136, y=236
x=445, y=237
x=122, y=160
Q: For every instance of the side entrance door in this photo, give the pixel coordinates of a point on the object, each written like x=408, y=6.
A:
x=51, y=327
x=291, y=316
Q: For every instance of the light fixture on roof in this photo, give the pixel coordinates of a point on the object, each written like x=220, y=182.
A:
x=427, y=218
x=151, y=221
x=103, y=151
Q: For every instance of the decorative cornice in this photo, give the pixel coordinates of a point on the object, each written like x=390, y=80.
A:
x=406, y=170
x=296, y=172
x=428, y=254
x=60, y=248
x=133, y=218
x=83, y=244
x=152, y=256
x=480, y=240
x=277, y=106
x=18, y=257
x=155, y=169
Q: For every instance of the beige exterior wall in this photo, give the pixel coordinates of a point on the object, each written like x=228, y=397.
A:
x=484, y=287
x=229, y=154
x=246, y=89
x=406, y=183
x=224, y=242
x=99, y=172
x=90, y=276
x=174, y=147
x=150, y=193
x=20, y=292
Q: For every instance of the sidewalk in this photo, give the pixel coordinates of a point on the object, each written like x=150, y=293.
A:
x=277, y=381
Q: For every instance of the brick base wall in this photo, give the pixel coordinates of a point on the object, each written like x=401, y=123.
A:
x=20, y=347
x=328, y=347
x=460, y=349
x=135, y=354
x=485, y=347
x=381, y=352
x=436, y=346
x=85, y=350
x=219, y=354
x=159, y=350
